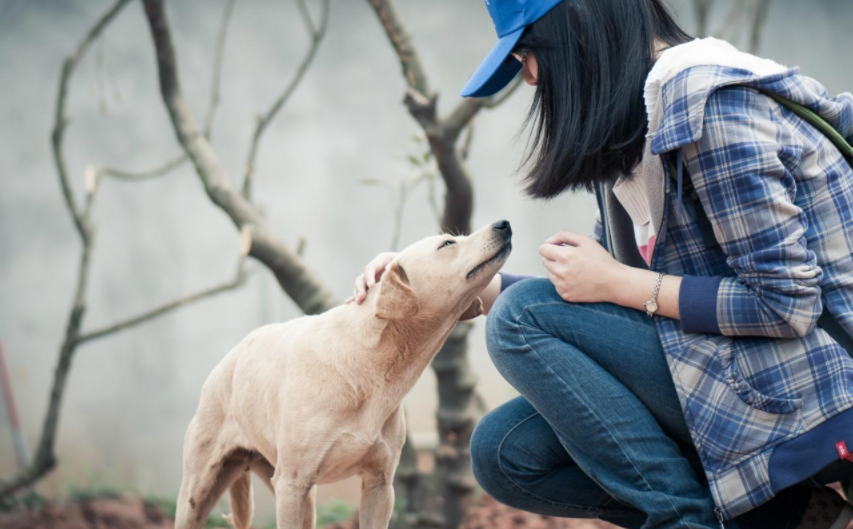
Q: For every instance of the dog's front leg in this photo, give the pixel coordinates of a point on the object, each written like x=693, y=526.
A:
x=292, y=501
x=377, y=500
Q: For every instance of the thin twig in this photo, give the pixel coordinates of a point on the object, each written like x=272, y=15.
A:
x=265, y=119
x=295, y=278
x=469, y=139
x=179, y=159
x=238, y=281
x=501, y=97
x=217, y=66
x=61, y=119
x=45, y=458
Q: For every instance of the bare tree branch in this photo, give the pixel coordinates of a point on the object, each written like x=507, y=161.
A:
x=178, y=160
x=154, y=172
x=217, y=67
x=295, y=278
x=45, y=459
x=470, y=107
x=264, y=120
x=61, y=120
x=151, y=314
x=413, y=70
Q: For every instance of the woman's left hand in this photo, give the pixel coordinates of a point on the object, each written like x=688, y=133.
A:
x=580, y=268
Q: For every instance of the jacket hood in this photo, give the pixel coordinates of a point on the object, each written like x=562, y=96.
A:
x=684, y=77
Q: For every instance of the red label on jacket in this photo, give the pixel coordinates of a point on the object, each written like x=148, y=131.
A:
x=843, y=452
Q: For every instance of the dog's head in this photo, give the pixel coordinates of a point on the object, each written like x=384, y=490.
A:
x=443, y=274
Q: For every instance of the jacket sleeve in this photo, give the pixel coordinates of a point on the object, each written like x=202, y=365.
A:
x=739, y=168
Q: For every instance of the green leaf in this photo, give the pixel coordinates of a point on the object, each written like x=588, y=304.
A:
x=371, y=182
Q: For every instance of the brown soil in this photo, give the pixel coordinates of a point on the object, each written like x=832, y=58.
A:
x=133, y=513
x=489, y=514
x=99, y=513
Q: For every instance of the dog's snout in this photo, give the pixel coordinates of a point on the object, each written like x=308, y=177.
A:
x=503, y=227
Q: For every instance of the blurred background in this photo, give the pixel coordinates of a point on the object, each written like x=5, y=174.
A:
x=341, y=171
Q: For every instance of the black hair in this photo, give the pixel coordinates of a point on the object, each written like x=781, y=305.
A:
x=588, y=114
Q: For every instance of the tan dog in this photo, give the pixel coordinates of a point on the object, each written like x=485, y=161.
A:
x=318, y=399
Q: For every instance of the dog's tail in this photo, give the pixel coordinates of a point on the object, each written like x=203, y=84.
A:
x=241, y=501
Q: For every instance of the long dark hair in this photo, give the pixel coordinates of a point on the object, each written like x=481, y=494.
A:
x=588, y=114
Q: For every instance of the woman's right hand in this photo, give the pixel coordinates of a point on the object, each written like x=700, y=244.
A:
x=372, y=272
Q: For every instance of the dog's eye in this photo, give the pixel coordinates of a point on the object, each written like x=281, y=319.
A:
x=446, y=243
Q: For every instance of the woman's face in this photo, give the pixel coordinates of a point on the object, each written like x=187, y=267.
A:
x=529, y=67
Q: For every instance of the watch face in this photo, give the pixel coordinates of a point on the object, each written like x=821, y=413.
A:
x=651, y=306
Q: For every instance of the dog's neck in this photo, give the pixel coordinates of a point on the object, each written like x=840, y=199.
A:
x=400, y=350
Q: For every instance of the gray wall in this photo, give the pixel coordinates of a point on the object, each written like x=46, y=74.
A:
x=130, y=396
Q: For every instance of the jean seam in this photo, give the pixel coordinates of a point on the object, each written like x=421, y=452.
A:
x=518, y=324
x=591, y=510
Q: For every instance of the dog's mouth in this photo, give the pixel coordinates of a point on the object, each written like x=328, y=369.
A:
x=503, y=252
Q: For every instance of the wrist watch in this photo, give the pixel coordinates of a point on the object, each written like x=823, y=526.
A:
x=652, y=304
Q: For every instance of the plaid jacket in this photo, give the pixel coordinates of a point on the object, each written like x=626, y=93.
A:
x=767, y=394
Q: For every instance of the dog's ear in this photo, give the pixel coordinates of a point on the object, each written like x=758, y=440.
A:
x=476, y=309
x=396, y=298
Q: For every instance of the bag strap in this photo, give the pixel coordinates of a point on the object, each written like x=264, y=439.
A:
x=817, y=121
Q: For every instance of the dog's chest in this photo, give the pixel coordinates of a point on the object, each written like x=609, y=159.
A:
x=351, y=453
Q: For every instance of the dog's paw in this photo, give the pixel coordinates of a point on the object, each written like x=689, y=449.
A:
x=229, y=520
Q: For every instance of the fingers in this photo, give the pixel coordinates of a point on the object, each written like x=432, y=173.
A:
x=360, y=289
x=367, y=280
x=374, y=269
x=568, y=237
x=553, y=251
x=550, y=266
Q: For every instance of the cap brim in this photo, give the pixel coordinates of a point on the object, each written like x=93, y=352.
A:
x=495, y=72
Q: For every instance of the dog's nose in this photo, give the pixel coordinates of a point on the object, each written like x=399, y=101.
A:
x=503, y=226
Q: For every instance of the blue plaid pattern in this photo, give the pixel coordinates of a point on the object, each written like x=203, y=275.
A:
x=751, y=367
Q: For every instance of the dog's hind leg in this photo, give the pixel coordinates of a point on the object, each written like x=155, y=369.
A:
x=205, y=480
x=264, y=470
x=241, y=501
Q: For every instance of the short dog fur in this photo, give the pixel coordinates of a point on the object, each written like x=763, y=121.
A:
x=318, y=399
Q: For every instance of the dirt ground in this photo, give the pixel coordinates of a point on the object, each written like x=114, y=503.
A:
x=99, y=513
x=133, y=513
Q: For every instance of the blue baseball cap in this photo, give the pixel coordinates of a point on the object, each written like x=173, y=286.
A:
x=510, y=18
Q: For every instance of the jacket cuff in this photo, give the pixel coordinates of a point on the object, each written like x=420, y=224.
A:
x=509, y=279
x=697, y=304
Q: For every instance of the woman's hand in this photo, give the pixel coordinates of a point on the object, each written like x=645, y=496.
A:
x=581, y=270
x=372, y=272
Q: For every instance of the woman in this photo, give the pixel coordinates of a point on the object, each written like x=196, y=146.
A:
x=670, y=375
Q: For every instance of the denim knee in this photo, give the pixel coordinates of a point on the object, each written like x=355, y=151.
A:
x=502, y=324
x=485, y=447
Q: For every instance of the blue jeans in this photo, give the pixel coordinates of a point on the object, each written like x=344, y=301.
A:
x=598, y=431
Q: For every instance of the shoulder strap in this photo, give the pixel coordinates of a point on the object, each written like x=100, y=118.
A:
x=815, y=119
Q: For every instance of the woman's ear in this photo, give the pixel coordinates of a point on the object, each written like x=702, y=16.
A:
x=474, y=310
x=530, y=69
x=396, y=299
